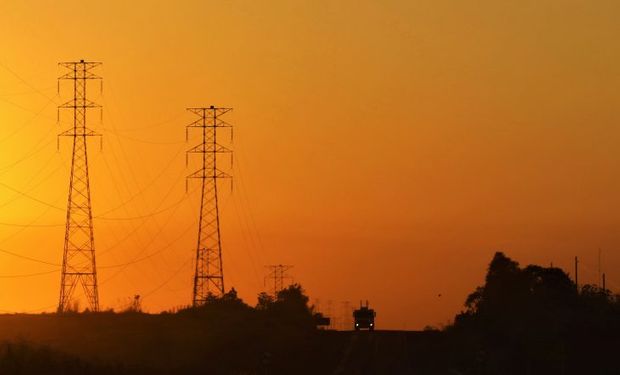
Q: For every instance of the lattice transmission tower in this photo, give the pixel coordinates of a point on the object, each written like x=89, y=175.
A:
x=277, y=274
x=78, y=260
x=209, y=273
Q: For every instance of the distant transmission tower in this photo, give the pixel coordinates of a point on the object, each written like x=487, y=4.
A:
x=277, y=274
x=78, y=260
x=209, y=274
x=331, y=315
x=345, y=320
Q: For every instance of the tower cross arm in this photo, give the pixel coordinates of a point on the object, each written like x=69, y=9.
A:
x=202, y=148
x=202, y=110
x=201, y=123
x=84, y=71
x=86, y=132
x=202, y=173
x=80, y=103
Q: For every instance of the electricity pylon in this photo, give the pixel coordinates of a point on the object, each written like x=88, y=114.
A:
x=277, y=273
x=209, y=273
x=347, y=313
x=78, y=260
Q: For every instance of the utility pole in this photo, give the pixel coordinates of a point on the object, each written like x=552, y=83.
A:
x=577, y=274
x=330, y=314
x=78, y=260
x=599, y=266
x=317, y=305
x=277, y=274
x=209, y=273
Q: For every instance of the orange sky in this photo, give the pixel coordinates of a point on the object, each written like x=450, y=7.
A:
x=385, y=148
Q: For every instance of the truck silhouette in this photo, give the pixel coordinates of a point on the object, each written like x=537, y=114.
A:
x=364, y=318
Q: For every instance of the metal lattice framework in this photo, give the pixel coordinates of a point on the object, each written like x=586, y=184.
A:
x=78, y=261
x=277, y=273
x=209, y=273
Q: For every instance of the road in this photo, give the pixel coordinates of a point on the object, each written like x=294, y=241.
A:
x=379, y=352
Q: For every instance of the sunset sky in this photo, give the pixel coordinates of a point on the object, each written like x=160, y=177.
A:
x=386, y=149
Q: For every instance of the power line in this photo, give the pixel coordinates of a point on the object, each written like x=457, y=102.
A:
x=26, y=194
x=28, y=155
x=151, y=183
x=168, y=280
x=28, y=258
x=160, y=250
x=45, y=203
x=152, y=126
x=144, y=248
x=133, y=174
x=151, y=214
x=19, y=93
x=133, y=261
x=28, y=311
x=15, y=233
x=143, y=140
x=5, y=67
x=28, y=274
x=31, y=197
x=30, y=225
x=27, y=122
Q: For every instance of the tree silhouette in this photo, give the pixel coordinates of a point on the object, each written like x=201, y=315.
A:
x=264, y=301
x=533, y=320
x=290, y=307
